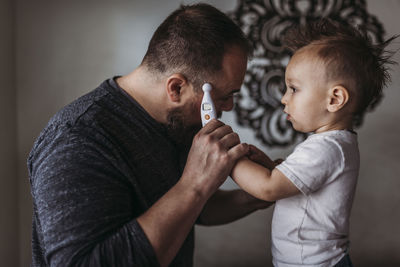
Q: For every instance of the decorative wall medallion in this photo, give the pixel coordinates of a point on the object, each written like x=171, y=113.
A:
x=264, y=23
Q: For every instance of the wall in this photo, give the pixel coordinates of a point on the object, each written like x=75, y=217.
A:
x=8, y=140
x=66, y=48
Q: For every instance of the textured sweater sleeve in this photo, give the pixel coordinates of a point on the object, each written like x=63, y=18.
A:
x=83, y=204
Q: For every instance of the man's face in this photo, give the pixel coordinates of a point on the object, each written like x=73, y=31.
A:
x=225, y=84
x=186, y=120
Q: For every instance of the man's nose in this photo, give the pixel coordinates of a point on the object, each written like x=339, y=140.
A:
x=227, y=106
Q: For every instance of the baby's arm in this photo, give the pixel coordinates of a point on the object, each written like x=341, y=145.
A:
x=260, y=157
x=261, y=182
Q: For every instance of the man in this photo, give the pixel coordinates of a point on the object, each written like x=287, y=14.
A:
x=120, y=176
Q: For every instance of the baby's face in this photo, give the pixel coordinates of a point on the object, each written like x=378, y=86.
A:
x=306, y=93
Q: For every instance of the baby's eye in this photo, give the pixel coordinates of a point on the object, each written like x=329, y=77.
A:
x=294, y=90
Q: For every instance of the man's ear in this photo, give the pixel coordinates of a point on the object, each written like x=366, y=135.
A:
x=338, y=97
x=174, y=86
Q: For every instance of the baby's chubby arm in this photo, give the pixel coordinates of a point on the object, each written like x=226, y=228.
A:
x=260, y=157
x=262, y=183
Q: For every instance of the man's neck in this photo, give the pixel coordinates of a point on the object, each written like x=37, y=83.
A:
x=147, y=91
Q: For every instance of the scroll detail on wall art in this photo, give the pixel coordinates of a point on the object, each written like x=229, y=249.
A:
x=264, y=22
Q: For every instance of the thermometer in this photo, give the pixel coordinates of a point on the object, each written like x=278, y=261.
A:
x=207, y=109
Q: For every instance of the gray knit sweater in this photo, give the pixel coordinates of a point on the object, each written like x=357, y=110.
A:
x=100, y=162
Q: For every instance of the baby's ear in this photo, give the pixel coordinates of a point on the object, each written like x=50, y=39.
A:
x=338, y=97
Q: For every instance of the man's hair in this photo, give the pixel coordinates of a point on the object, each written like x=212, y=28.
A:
x=192, y=41
x=349, y=56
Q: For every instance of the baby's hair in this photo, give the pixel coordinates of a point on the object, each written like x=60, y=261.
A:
x=350, y=57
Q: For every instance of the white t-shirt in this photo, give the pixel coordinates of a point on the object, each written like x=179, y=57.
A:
x=312, y=228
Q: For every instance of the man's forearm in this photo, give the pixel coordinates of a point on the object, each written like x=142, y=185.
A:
x=227, y=206
x=168, y=222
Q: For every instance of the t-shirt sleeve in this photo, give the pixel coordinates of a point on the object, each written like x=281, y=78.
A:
x=313, y=164
x=83, y=205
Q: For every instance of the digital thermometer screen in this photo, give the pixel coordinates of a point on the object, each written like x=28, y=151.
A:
x=207, y=106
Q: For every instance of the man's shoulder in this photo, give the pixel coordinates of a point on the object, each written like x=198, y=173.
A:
x=75, y=110
x=74, y=115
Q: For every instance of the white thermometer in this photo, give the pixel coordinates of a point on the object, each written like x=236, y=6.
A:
x=207, y=109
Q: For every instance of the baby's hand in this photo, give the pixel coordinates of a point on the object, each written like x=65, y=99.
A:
x=261, y=158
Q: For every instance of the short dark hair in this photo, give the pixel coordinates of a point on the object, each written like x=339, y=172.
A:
x=349, y=55
x=193, y=40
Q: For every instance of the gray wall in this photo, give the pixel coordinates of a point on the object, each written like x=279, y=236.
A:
x=8, y=139
x=66, y=48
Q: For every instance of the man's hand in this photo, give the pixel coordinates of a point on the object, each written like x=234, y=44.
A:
x=261, y=158
x=215, y=150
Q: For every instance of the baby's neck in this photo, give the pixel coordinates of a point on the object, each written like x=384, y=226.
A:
x=338, y=125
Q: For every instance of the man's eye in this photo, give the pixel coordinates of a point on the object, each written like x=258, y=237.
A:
x=228, y=97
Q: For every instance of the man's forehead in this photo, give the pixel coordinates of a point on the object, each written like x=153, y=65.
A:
x=227, y=89
x=229, y=80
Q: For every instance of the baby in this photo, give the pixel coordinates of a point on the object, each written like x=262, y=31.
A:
x=334, y=76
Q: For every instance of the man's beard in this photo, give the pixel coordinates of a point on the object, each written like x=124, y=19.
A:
x=179, y=130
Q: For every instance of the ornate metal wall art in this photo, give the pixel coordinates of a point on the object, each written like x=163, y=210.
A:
x=265, y=22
